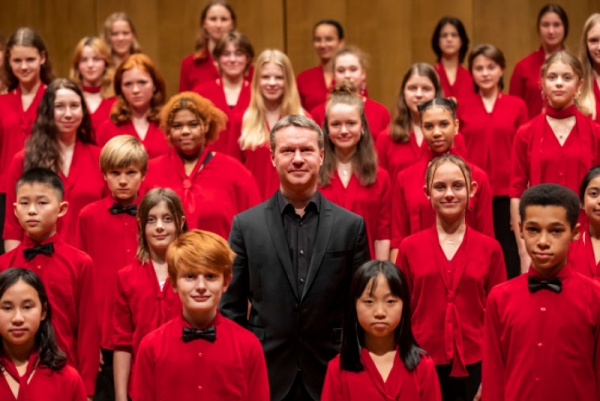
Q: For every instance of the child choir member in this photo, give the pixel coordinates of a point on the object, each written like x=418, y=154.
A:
x=92, y=70
x=542, y=329
x=349, y=175
x=553, y=27
x=489, y=120
x=230, y=92
x=401, y=144
x=450, y=269
x=216, y=19
x=26, y=72
x=314, y=84
x=584, y=254
x=110, y=224
x=33, y=366
x=350, y=64
x=560, y=145
x=589, y=55
x=67, y=272
x=380, y=359
x=450, y=44
x=61, y=141
x=120, y=36
x=273, y=96
x=141, y=92
x=212, y=186
x=200, y=354
x=411, y=210
x=144, y=299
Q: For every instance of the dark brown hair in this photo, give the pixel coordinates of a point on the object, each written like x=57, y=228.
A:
x=558, y=10
x=201, y=39
x=462, y=33
x=491, y=52
x=26, y=37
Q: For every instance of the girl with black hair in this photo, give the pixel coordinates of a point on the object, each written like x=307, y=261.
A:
x=379, y=358
x=33, y=366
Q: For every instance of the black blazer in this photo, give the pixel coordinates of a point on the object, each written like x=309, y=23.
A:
x=300, y=333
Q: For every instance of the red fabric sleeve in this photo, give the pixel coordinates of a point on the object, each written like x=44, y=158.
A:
x=484, y=215
x=400, y=222
x=517, y=84
x=235, y=133
x=332, y=388
x=144, y=387
x=12, y=227
x=493, y=367
x=428, y=380
x=519, y=176
x=258, y=380
x=122, y=318
x=385, y=204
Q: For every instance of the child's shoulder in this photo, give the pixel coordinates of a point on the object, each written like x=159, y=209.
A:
x=72, y=254
x=95, y=209
x=509, y=288
x=239, y=333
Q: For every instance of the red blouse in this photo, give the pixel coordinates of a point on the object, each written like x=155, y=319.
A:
x=463, y=85
x=155, y=140
x=101, y=114
x=15, y=128
x=597, y=97
x=581, y=256
x=312, y=87
x=489, y=136
x=195, y=71
x=526, y=79
x=448, y=296
x=371, y=202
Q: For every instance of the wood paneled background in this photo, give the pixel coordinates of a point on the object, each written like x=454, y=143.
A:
x=395, y=33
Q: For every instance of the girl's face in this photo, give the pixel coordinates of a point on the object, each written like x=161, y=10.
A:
x=348, y=68
x=233, y=61
x=561, y=84
x=21, y=313
x=188, y=132
x=378, y=311
x=450, y=42
x=26, y=63
x=121, y=38
x=448, y=191
x=218, y=21
x=418, y=89
x=552, y=30
x=160, y=229
x=439, y=129
x=345, y=126
x=486, y=73
x=272, y=82
x=591, y=201
x=326, y=41
x=593, y=44
x=68, y=111
x=138, y=88
x=91, y=66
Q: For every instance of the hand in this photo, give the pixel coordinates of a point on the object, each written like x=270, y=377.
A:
x=478, y=395
x=101, y=362
x=90, y=398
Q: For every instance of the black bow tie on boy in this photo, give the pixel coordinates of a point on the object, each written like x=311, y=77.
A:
x=208, y=334
x=535, y=284
x=46, y=249
x=118, y=209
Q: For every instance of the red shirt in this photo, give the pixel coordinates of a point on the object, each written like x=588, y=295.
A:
x=15, y=128
x=47, y=385
x=421, y=384
x=213, y=91
x=581, y=256
x=377, y=115
x=231, y=368
x=542, y=346
x=371, y=202
x=412, y=211
x=101, y=114
x=212, y=194
x=539, y=158
x=155, y=140
x=489, y=136
x=597, y=97
x=84, y=185
x=111, y=242
x=68, y=275
x=526, y=79
x=448, y=296
x=197, y=71
x=463, y=85
x=312, y=87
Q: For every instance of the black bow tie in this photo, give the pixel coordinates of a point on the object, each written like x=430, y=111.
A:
x=535, y=284
x=118, y=209
x=208, y=334
x=46, y=249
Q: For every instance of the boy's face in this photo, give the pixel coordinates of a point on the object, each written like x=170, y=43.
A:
x=124, y=183
x=547, y=235
x=200, y=294
x=38, y=208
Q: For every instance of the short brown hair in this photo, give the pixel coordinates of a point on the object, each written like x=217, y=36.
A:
x=197, y=251
x=240, y=40
x=123, y=151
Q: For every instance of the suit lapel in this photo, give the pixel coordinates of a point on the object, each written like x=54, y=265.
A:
x=277, y=233
x=321, y=242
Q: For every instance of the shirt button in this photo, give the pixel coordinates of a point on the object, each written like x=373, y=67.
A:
x=301, y=223
x=39, y=267
x=200, y=354
x=543, y=309
x=301, y=252
x=199, y=387
x=537, y=379
x=540, y=345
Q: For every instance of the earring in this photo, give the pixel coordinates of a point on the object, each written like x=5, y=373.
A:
x=362, y=133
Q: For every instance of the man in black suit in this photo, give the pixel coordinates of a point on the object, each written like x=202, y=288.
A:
x=296, y=254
